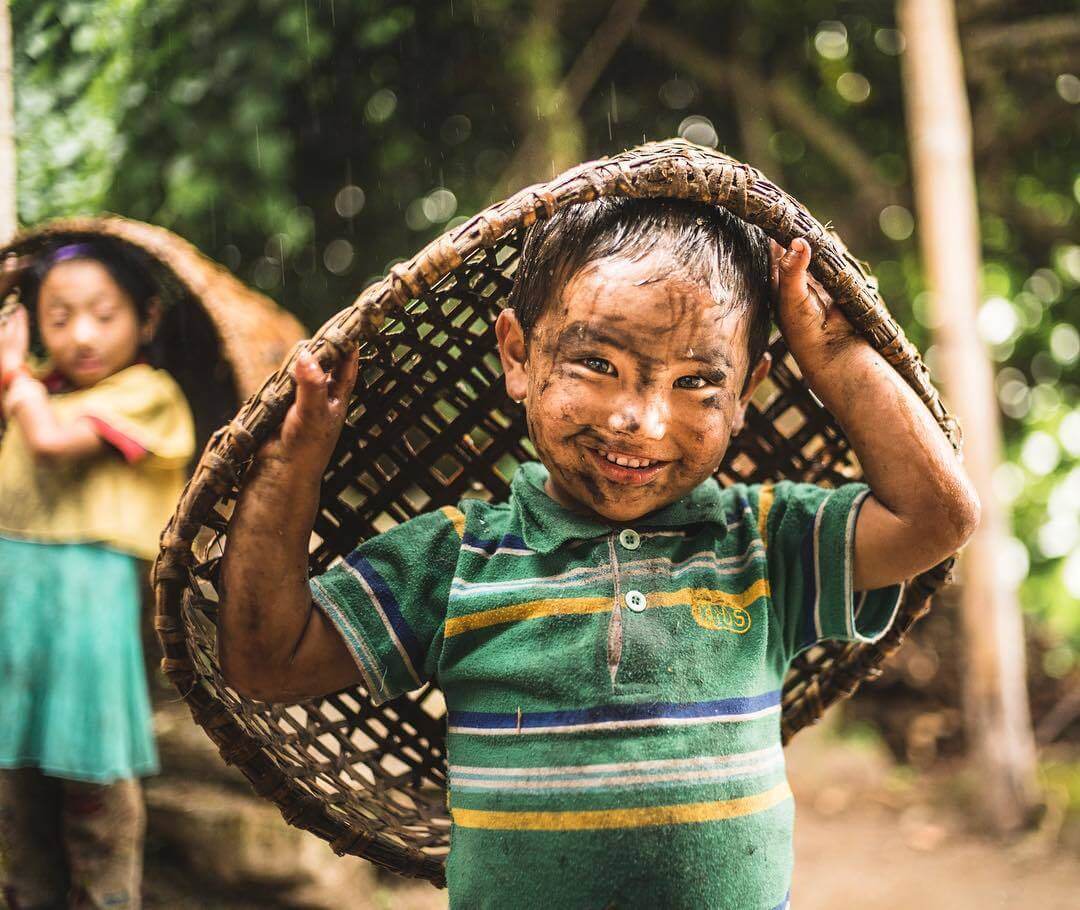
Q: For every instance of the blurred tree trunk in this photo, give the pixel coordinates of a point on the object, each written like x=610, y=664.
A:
x=8, y=222
x=996, y=712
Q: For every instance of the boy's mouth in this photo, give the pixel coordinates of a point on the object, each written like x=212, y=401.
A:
x=624, y=468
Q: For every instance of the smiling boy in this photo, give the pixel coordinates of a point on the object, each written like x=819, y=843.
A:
x=612, y=641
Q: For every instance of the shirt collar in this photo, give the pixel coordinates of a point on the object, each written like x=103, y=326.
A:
x=546, y=525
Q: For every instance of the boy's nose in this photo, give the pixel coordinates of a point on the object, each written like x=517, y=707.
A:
x=646, y=416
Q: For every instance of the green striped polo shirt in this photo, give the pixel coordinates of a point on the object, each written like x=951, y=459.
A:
x=613, y=693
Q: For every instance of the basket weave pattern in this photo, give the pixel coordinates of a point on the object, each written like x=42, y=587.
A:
x=430, y=423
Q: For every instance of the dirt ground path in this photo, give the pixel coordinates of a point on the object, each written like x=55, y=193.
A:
x=868, y=835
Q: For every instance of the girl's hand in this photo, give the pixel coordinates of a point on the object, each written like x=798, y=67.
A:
x=12, y=271
x=816, y=331
x=313, y=422
x=14, y=339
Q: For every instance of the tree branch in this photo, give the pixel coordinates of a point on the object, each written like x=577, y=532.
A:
x=565, y=101
x=788, y=104
x=752, y=111
x=1021, y=37
x=833, y=143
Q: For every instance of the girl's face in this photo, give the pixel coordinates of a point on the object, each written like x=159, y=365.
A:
x=632, y=364
x=89, y=324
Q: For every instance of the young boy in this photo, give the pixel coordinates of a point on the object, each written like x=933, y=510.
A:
x=613, y=640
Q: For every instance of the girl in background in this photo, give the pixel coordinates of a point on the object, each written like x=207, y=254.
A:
x=92, y=461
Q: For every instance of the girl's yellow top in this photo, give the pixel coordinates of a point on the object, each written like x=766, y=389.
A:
x=121, y=498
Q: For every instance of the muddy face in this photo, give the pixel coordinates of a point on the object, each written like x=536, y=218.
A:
x=631, y=383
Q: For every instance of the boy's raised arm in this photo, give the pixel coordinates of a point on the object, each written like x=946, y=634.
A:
x=274, y=643
x=922, y=506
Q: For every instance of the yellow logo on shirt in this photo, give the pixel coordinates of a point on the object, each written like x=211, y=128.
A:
x=721, y=617
x=724, y=612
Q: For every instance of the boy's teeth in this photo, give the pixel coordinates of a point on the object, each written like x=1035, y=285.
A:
x=627, y=462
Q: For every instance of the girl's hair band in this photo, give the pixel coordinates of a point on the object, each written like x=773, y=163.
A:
x=69, y=251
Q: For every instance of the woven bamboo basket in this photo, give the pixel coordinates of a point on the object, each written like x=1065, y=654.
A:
x=430, y=423
x=218, y=338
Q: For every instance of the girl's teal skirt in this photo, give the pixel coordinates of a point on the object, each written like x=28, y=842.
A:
x=73, y=695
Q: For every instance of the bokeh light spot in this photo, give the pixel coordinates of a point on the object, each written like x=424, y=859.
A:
x=831, y=40
x=381, y=106
x=678, y=94
x=853, y=87
x=997, y=321
x=349, y=201
x=1068, y=87
x=1040, y=453
x=338, y=256
x=1065, y=343
x=890, y=41
x=897, y=223
x=1013, y=563
x=696, y=128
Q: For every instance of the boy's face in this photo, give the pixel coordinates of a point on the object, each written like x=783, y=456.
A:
x=633, y=364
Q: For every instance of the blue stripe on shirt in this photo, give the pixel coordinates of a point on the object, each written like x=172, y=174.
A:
x=601, y=713
x=390, y=608
x=509, y=541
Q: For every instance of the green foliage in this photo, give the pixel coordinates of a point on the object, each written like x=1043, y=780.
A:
x=71, y=74
x=307, y=145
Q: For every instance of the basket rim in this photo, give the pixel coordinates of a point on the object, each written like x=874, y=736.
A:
x=669, y=169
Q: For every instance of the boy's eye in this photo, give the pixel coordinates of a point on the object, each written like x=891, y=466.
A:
x=690, y=382
x=598, y=365
x=698, y=382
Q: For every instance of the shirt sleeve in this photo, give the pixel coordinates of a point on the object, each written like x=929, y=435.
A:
x=809, y=535
x=142, y=413
x=388, y=600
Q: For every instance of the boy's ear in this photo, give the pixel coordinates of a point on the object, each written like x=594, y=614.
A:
x=151, y=320
x=512, y=353
x=761, y=370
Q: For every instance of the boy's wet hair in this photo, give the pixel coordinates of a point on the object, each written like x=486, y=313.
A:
x=723, y=252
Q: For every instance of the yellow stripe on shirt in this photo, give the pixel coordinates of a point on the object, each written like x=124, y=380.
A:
x=456, y=518
x=566, y=606
x=592, y=819
x=533, y=609
x=765, y=501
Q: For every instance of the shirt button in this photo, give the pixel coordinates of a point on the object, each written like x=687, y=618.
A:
x=630, y=538
x=635, y=600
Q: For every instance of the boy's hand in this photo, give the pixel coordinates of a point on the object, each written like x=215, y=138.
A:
x=816, y=331
x=274, y=643
x=313, y=422
x=14, y=339
x=923, y=507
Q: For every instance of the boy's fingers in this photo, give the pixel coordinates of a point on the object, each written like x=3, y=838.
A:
x=344, y=378
x=311, y=385
x=792, y=272
x=796, y=258
x=776, y=253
